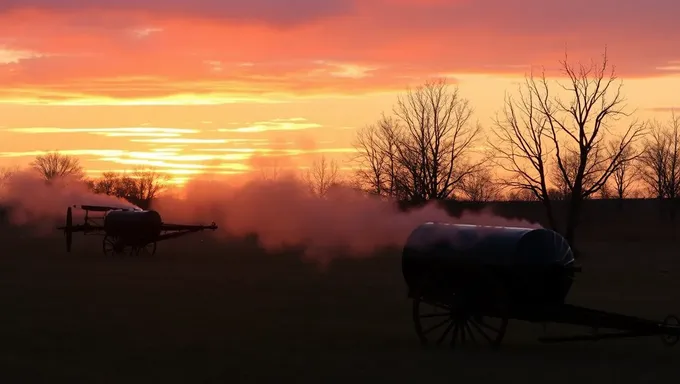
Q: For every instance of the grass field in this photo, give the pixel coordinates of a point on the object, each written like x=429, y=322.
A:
x=203, y=312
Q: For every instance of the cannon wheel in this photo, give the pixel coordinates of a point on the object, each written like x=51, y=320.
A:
x=148, y=249
x=436, y=321
x=112, y=246
x=670, y=340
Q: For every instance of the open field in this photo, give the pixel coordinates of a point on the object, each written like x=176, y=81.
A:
x=202, y=312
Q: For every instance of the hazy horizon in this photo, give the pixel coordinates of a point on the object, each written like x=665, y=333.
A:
x=215, y=86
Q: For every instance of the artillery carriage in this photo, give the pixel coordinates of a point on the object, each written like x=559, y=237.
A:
x=468, y=281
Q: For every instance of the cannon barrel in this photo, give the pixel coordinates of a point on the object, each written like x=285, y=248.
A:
x=527, y=266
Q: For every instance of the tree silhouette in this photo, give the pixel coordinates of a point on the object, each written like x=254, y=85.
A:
x=321, y=176
x=54, y=165
x=574, y=135
x=659, y=161
x=625, y=175
x=139, y=187
x=423, y=151
x=377, y=157
x=480, y=187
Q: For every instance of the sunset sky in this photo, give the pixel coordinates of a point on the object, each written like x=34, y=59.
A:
x=217, y=85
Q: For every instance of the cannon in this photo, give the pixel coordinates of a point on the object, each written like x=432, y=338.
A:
x=468, y=281
x=126, y=230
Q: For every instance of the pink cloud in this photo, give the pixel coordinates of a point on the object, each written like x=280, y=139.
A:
x=276, y=12
x=92, y=48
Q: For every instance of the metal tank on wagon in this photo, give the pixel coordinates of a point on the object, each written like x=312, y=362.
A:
x=133, y=228
x=133, y=224
x=530, y=267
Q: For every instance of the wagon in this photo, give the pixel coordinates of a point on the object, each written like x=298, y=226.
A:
x=126, y=230
x=468, y=281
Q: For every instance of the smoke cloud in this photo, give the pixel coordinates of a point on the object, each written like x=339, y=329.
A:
x=283, y=213
x=344, y=223
x=31, y=201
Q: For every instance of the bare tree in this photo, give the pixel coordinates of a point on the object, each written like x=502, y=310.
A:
x=322, y=175
x=435, y=141
x=140, y=187
x=576, y=128
x=6, y=173
x=606, y=192
x=624, y=175
x=520, y=147
x=480, y=186
x=659, y=161
x=126, y=187
x=53, y=165
x=423, y=152
x=270, y=170
x=585, y=122
x=376, y=157
x=652, y=164
x=271, y=173
x=571, y=163
x=107, y=184
x=521, y=195
x=150, y=183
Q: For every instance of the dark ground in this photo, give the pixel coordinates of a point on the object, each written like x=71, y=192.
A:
x=202, y=313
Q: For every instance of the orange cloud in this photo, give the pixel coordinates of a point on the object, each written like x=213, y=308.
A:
x=664, y=109
x=183, y=152
x=212, y=52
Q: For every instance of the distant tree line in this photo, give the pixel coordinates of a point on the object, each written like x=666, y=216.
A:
x=139, y=186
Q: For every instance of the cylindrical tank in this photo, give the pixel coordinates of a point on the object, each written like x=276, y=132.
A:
x=133, y=225
x=528, y=266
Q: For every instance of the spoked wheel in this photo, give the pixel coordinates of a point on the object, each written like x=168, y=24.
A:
x=670, y=339
x=146, y=250
x=113, y=246
x=437, y=322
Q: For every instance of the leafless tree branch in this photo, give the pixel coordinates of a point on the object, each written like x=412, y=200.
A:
x=53, y=165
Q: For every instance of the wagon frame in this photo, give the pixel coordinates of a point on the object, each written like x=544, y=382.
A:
x=461, y=323
x=116, y=244
x=482, y=310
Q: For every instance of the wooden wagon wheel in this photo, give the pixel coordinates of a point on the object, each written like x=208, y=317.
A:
x=148, y=249
x=670, y=340
x=112, y=245
x=434, y=321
